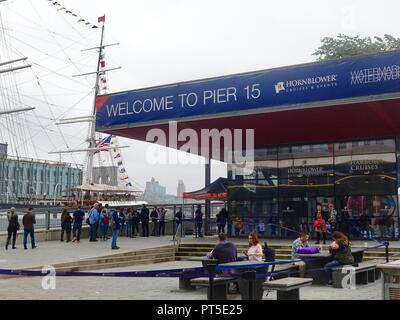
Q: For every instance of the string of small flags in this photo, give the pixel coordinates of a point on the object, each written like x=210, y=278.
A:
x=123, y=175
x=88, y=23
x=102, y=79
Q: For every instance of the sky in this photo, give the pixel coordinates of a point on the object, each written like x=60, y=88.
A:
x=160, y=42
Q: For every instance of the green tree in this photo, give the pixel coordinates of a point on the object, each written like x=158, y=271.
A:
x=344, y=46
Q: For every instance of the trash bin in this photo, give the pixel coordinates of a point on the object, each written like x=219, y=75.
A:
x=391, y=280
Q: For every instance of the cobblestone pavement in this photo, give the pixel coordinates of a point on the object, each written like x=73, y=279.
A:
x=93, y=288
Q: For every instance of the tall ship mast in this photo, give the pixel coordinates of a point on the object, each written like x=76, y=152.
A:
x=112, y=178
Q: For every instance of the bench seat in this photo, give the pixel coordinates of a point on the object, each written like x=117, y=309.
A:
x=365, y=272
x=220, y=287
x=288, y=288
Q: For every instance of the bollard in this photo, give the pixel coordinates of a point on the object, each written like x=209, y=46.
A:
x=250, y=276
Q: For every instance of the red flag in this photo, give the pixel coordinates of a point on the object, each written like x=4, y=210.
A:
x=102, y=19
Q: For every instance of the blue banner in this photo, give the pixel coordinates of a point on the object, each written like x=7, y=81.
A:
x=262, y=90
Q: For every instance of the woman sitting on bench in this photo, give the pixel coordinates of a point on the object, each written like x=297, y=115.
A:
x=341, y=252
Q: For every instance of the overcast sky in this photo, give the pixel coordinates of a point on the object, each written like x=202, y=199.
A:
x=161, y=41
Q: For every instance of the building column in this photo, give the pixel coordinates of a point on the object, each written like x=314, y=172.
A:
x=207, y=226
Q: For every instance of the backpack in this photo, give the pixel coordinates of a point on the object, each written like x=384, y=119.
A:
x=88, y=218
x=269, y=253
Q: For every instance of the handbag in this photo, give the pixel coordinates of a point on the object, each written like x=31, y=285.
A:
x=308, y=250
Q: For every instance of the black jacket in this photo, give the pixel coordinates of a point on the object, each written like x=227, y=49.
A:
x=144, y=215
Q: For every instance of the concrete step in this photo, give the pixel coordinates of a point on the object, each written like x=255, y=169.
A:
x=112, y=265
x=112, y=259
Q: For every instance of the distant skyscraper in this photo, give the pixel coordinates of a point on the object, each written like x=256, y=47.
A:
x=181, y=189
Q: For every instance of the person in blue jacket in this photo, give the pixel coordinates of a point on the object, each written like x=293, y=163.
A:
x=116, y=228
x=94, y=218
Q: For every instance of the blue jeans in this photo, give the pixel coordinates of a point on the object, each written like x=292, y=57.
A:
x=129, y=229
x=32, y=233
x=115, y=237
x=198, y=228
x=329, y=266
x=93, y=231
x=104, y=229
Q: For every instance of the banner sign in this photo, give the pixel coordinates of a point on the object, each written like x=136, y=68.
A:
x=289, y=86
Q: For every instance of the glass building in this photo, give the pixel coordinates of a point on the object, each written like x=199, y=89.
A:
x=24, y=179
x=359, y=177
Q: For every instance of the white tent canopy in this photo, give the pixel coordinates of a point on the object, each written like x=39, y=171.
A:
x=104, y=188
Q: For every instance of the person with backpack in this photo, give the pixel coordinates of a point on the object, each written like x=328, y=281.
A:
x=104, y=223
x=13, y=227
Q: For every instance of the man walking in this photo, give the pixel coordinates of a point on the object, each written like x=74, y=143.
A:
x=94, y=218
x=116, y=228
x=28, y=222
x=144, y=218
x=77, y=224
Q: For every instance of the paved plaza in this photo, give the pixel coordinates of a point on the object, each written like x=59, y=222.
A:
x=73, y=288
x=53, y=252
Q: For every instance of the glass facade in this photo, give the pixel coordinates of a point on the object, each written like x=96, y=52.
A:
x=23, y=179
x=278, y=198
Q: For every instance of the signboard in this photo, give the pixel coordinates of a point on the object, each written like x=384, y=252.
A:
x=259, y=91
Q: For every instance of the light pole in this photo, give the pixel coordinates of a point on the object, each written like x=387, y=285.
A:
x=55, y=194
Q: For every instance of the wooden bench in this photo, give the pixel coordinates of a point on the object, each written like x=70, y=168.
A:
x=365, y=272
x=220, y=287
x=287, y=288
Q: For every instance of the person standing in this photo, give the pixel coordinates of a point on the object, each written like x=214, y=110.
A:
x=129, y=218
x=161, y=222
x=179, y=221
x=66, y=225
x=332, y=220
x=144, y=219
x=104, y=223
x=94, y=218
x=135, y=222
x=28, y=222
x=198, y=219
x=77, y=224
x=13, y=227
x=222, y=217
x=320, y=224
x=154, y=221
x=122, y=220
x=116, y=228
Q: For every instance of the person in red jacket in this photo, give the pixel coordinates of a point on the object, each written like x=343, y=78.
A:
x=320, y=224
